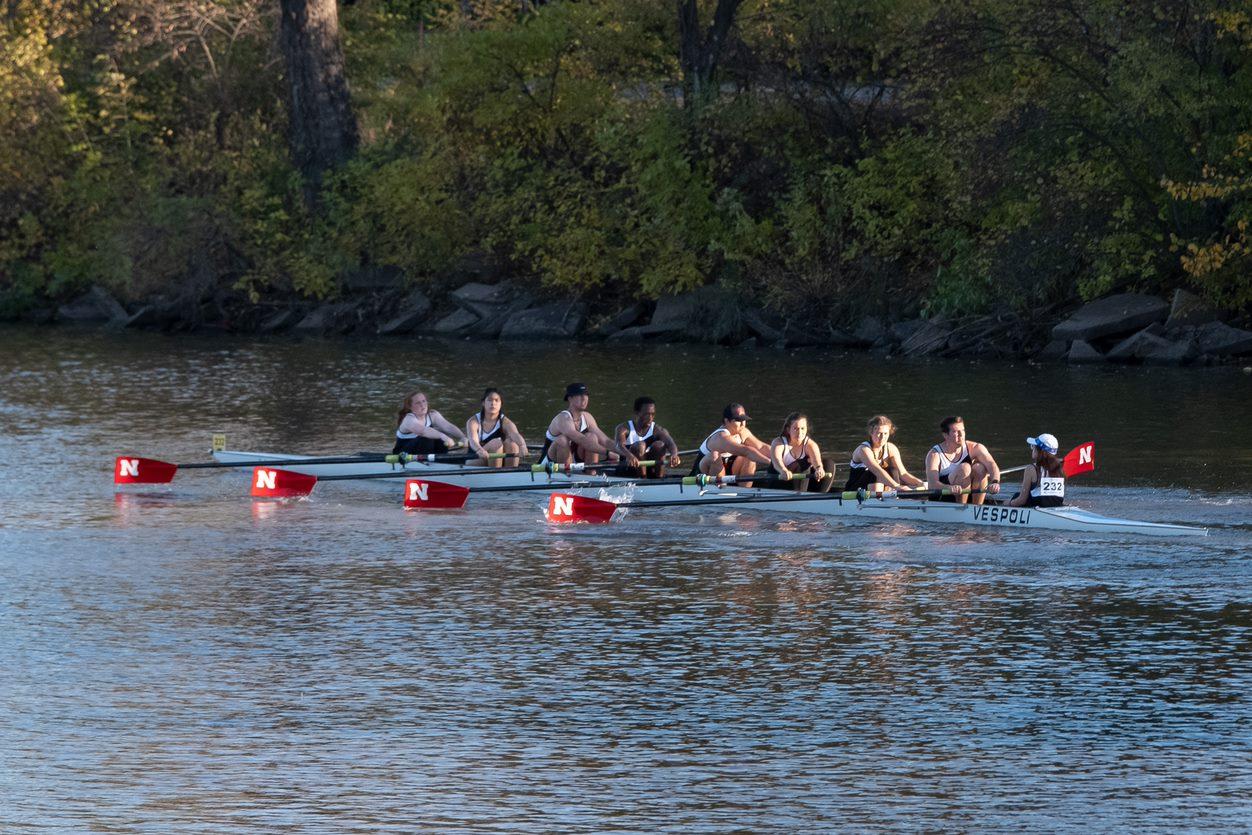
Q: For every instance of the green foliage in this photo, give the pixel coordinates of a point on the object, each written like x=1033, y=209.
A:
x=896, y=155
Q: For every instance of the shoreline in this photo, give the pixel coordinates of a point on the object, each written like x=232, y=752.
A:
x=1126, y=328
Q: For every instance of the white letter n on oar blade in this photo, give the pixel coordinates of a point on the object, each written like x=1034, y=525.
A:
x=420, y=494
x=270, y=483
x=564, y=508
x=131, y=470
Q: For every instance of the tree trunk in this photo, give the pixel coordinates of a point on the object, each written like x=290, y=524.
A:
x=322, y=129
x=700, y=51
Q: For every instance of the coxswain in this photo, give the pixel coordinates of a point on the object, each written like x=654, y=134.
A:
x=489, y=431
x=1043, y=482
x=794, y=452
x=876, y=464
x=643, y=439
x=731, y=449
x=573, y=436
x=959, y=463
x=420, y=430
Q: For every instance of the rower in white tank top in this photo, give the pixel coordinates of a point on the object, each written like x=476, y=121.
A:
x=704, y=445
x=633, y=437
x=641, y=438
x=731, y=449
x=569, y=439
x=947, y=462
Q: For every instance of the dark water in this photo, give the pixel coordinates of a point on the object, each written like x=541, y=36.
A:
x=182, y=659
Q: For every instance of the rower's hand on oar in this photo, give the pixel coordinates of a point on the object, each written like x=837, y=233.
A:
x=631, y=460
x=675, y=460
x=993, y=487
x=785, y=475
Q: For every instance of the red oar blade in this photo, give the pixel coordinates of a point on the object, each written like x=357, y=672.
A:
x=270, y=483
x=564, y=508
x=129, y=470
x=434, y=495
x=1081, y=459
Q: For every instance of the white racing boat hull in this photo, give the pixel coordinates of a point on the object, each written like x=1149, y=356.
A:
x=444, y=472
x=624, y=492
x=910, y=511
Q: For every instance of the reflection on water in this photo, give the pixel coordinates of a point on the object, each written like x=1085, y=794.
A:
x=185, y=658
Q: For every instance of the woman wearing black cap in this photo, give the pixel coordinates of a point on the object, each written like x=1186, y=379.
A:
x=732, y=449
x=573, y=435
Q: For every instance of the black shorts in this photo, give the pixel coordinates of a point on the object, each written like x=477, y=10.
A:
x=860, y=478
x=729, y=463
x=773, y=481
x=574, y=448
x=419, y=446
x=1044, y=501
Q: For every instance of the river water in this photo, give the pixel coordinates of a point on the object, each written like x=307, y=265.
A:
x=182, y=658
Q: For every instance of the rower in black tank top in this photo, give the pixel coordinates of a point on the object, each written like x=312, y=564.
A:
x=860, y=477
x=496, y=432
x=797, y=464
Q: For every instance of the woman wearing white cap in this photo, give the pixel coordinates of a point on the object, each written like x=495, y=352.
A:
x=1043, y=482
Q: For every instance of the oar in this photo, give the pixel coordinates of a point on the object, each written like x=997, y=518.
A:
x=564, y=507
x=422, y=494
x=1079, y=460
x=536, y=447
x=278, y=483
x=133, y=470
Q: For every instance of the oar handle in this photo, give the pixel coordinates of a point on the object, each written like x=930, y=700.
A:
x=924, y=494
x=281, y=462
x=405, y=457
x=719, y=480
x=579, y=467
x=373, y=458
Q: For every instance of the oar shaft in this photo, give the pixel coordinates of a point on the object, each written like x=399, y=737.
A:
x=380, y=458
x=537, y=469
x=600, y=482
x=280, y=462
x=781, y=496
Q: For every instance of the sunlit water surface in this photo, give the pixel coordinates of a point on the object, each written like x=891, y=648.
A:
x=186, y=659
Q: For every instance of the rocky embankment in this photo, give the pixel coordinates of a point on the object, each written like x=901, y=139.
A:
x=1125, y=328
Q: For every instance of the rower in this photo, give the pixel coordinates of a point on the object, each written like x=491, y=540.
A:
x=1043, y=482
x=959, y=463
x=876, y=464
x=643, y=439
x=794, y=451
x=489, y=431
x=731, y=449
x=573, y=435
x=420, y=430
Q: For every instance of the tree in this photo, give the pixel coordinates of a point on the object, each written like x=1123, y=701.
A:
x=322, y=128
x=699, y=51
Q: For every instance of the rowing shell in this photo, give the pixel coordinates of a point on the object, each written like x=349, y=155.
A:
x=473, y=477
x=989, y=515
x=900, y=510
